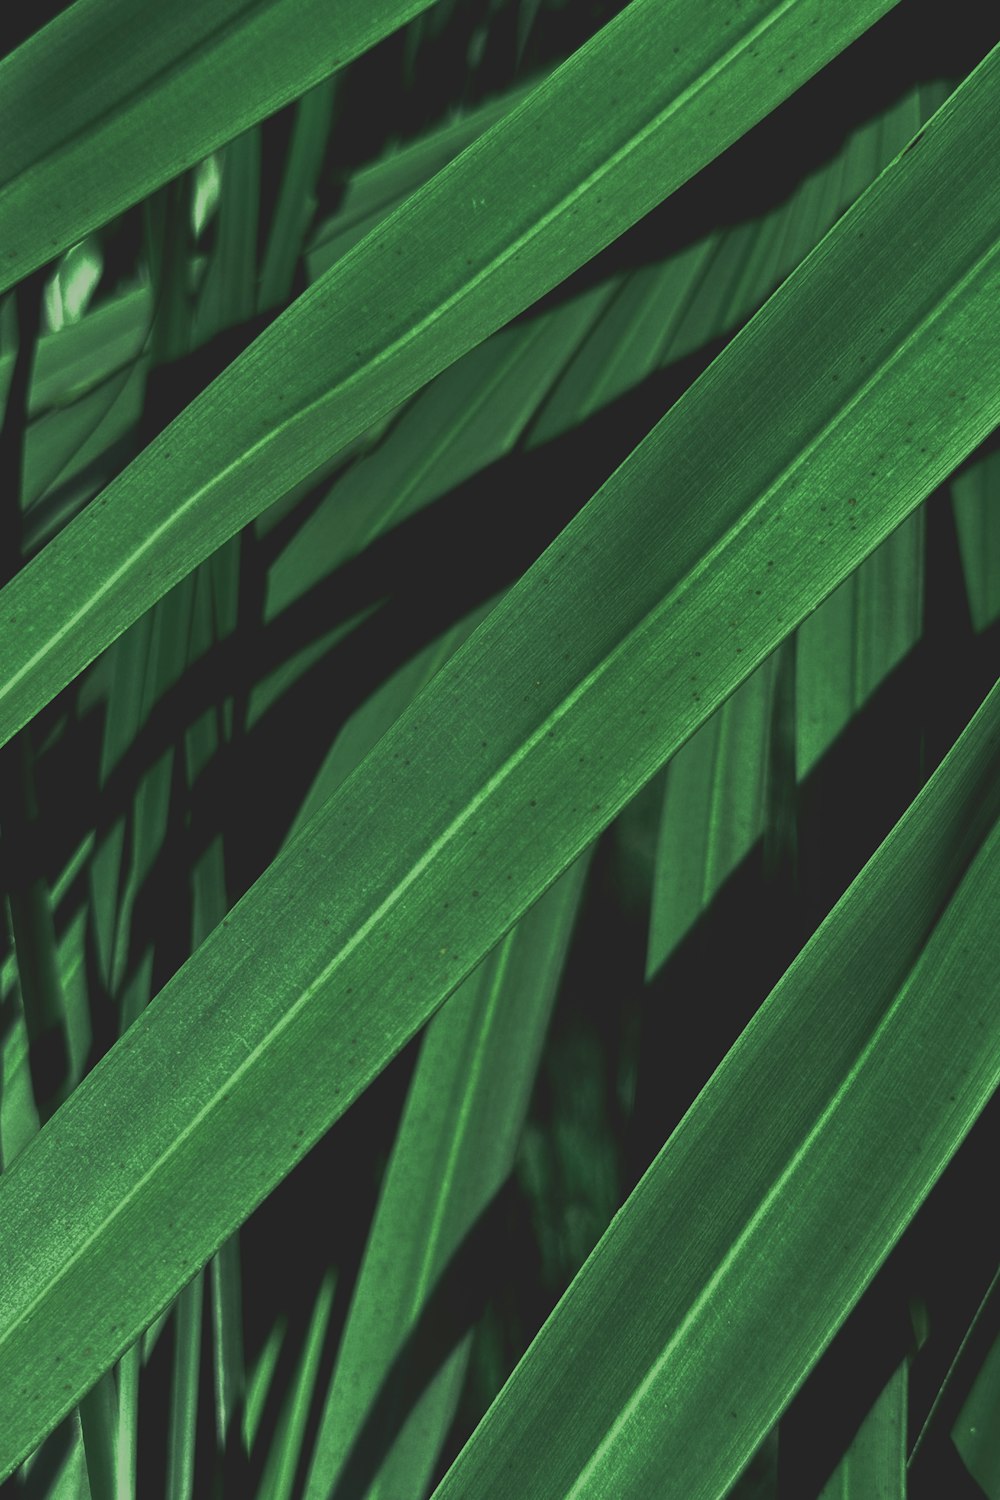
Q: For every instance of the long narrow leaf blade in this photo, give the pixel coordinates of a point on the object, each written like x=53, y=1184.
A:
x=582, y=159
x=634, y=625
x=785, y=1186
x=454, y=1149
x=115, y=97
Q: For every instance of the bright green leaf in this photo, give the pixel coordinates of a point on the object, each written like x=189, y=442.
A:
x=784, y=1187
x=530, y=739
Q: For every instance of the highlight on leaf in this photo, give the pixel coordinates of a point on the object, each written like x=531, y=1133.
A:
x=498, y=750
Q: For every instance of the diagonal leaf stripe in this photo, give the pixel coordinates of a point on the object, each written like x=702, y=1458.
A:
x=115, y=97
x=743, y=508
x=559, y=177
x=780, y=1193
x=455, y=1147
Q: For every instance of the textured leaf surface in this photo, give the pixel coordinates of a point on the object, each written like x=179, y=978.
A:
x=632, y=627
x=454, y=1149
x=151, y=89
x=976, y=494
x=554, y=181
x=713, y=810
x=784, y=1187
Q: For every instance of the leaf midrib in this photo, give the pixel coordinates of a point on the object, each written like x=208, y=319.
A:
x=879, y=369
x=209, y=41
x=737, y=1247
x=414, y=332
x=510, y=764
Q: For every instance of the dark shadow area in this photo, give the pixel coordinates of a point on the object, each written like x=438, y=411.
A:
x=946, y=1257
x=104, y=1015
x=27, y=913
x=579, y=1120
x=452, y=1309
x=220, y=1471
x=431, y=570
x=22, y=21
x=57, y=507
x=320, y=1214
x=695, y=1007
x=153, y=1435
x=317, y=1216
x=430, y=58
x=49, y=1459
x=943, y=1474
x=763, y=168
x=956, y=1304
x=954, y=658
x=10, y=1010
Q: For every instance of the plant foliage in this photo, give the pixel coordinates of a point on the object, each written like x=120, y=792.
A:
x=499, y=750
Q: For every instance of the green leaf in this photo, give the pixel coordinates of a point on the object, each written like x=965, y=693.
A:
x=184, y=1391
x=784, y=1187
x=377, y=187
x=714, y=808
x=63, y=443
x=76, y=359
x=227, y=1340
x=852, y=642
x=965, y=1358
x=976, y=1431
x=874, y=1466
x=151, y=90
x=974, y=494
x=99, y=1421
x=296, y=200
x=228, y=294
x=529, y=740
x=126, y=1442
x=485, y=238
x=453, y=1151
x=467, y=417
x=286, y=1447
x=111, y=336
x=259, y=1383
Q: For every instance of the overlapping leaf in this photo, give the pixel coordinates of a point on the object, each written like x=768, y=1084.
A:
x=975, y=1430
x=115, y=97
x=454, y=1149
x=783, y=1189
x=486, y=237
x=597, y=665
